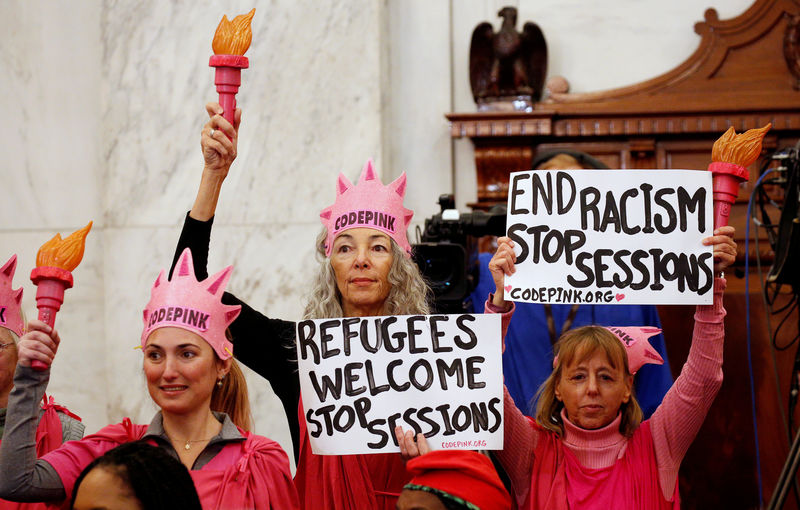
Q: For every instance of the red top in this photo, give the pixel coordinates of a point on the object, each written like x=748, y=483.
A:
x=347, y=482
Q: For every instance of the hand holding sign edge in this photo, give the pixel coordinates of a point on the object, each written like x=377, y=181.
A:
x=410, y=445
x=502, y=264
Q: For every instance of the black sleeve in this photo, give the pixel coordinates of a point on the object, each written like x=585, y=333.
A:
x=265, y=345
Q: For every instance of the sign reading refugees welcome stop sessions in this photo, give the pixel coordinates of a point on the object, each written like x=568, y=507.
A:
x=440, y=375
x=611, y=236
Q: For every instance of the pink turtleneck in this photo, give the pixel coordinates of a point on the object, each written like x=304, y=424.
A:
x=672, y=427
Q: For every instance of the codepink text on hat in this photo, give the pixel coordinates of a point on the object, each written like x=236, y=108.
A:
x=368, y=204
x=183, y=302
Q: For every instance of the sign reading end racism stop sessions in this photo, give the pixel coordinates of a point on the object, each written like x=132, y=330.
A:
x=611, y=236
x=440, y=375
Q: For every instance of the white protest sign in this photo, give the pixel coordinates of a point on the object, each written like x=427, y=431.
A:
x=611, y=236
x=437, y=374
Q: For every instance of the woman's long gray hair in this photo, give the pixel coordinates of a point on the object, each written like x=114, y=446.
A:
x=408, y=294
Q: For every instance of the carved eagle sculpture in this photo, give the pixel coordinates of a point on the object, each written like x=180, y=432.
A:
x=507, y=64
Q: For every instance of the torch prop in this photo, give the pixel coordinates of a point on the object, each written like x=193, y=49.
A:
x=231, y=41
x=730, y=156
x=56, y=260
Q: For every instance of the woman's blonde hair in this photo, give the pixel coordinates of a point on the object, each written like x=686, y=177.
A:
x=232, y=398
x=580, y=344
x=408, y=294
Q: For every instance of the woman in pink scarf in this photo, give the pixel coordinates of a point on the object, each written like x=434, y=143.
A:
x=191, y=376
x=588, y=447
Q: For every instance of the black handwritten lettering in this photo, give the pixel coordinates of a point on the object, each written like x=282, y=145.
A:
x=413, y=374
x=498, y=415
x=564, y=182
x=350, y=378
x=623, y=211
x=305, y=338
x=390, y=375
x=436, y=334
x=672, y=218
x=327, y=385
x=347, y=334
x=456, y=368
x=313, y=422
x=461, y=418
x=480, y=416
x=589, y=198
x=412, y=334
x=515, y=192
x=473, y=338
x=350, y=419
x=423, y=416
x=695, y=203
x=539, y=189
x=373, y=388
x=326, y=337
x=519, y=241
x=473, y=370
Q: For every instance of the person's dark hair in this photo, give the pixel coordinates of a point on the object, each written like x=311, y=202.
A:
x=153, y=476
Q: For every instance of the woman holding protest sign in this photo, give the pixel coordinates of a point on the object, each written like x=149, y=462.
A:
x=202, y=398
x=365, y=270
x=588, y=445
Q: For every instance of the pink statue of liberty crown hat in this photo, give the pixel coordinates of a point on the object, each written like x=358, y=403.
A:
x=637, y=346
x=10, y=299
x=183, y=302
x=368, y=204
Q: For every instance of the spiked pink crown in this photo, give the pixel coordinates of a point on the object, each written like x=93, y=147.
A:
x=637, y=345
x=183, y=302
x=368, y=204
x=10, y=299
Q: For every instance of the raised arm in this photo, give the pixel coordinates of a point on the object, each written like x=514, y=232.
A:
x=519, y=438
x=22, y=476
x=218, y=141
x=677, y=420
x=265, y=345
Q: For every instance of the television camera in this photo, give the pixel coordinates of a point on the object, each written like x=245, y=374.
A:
x=447, y=252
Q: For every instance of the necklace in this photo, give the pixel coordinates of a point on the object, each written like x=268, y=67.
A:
x=189, y=442
x=187, y=445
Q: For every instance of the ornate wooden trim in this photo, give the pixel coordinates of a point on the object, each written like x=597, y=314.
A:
x=728, y=65
x=540, y=124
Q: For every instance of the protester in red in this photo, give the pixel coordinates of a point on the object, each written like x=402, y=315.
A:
x=57, y=424
x=588, y=447
x=365, y=270
x=192, y=378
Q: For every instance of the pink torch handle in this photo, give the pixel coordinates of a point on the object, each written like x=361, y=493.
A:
x=227, y=82
x=51, y=282
x=725, y=182
x=228, y=78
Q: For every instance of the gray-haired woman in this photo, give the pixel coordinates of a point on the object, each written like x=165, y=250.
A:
x=365, y=269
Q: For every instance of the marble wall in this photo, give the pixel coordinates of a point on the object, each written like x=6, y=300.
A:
x=103, y=104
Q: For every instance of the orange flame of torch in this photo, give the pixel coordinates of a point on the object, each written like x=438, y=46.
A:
x=233, y=37
x=63, y=253
x=742, y=149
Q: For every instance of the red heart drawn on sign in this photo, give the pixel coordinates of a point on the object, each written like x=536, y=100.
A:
x=620, y=297
x=508, y=288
